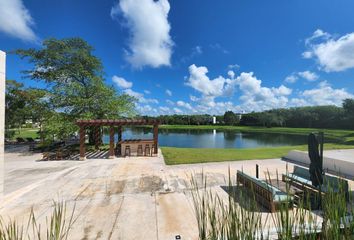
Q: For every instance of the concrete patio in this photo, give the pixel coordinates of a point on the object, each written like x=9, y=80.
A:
x=122, y=198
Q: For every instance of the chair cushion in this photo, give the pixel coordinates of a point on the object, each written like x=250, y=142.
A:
x=299, y=179
x=301, y=172
x=278, y=195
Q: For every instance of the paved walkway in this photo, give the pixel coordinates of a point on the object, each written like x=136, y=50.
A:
x=123, y=198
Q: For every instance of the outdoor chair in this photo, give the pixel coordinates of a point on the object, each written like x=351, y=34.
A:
x=300, y=178
x=147, y=150
x=127, y=151
x=140, y=150
x=265, y=194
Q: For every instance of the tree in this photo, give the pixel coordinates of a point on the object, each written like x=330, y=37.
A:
x=74, y=77
x=230, y=118
x=348, y=106
x=15, y=101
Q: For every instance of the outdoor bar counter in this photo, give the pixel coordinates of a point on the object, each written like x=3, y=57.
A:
x=146, y=146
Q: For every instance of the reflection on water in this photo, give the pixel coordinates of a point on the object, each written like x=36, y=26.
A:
x=213, y=138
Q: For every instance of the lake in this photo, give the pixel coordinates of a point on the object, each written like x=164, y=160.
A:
x=213, y=138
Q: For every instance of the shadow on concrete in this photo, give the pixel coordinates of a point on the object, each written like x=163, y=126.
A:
x=244, y=198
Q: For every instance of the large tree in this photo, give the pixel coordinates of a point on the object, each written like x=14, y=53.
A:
x=74, y=78
x=15, y=102
x=230, y=118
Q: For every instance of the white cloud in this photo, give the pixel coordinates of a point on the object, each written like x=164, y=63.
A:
x=150, y=43
x=147, y=92
x=140, y=96
x=164, y=109
x=133, y=93
x=168, y=92
x=121, y=82
x=177, y=110
x=197, y=50
x=170, y=102
x=318, y=34
x=233, y=66
x=16, y=20
x=291, y=78
x=201, y=82
x=307, y=54
x=184, y=104
x=193, y=98
x=310, y=76
x=231, y=74
x=324, y=94
x=332, y=54
x=218, y=47
x=253, y=95
x=258, y=98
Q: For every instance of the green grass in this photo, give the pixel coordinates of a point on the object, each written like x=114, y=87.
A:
x=25, y=133
x=174, y=155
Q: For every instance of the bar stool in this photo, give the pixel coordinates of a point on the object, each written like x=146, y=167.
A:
x=127, y=151
x=140, y=150
x=147, y=150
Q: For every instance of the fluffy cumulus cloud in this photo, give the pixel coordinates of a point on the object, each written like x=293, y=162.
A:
x=324, y=94
x=16, y=20
x=333, y=54
x=253, y=96
x=121, y=82
x=213, y=95
x=199, y=80
x=291, y=78
x=310, y=76
x=150, y=43
x=184, y=104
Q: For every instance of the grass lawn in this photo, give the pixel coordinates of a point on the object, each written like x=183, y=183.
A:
x=26, y=133
x=202, y=155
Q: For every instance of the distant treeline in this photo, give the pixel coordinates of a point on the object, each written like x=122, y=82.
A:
x=304, y=117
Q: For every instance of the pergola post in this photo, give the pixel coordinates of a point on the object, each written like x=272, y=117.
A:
x=119, y=140
x=111, y=142
x=156, y=135
x=97, y=137
x=82, y=143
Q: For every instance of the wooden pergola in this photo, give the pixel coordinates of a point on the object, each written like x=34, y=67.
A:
x=113, y=125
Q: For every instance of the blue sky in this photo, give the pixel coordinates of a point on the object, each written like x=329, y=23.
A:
x=189, y=56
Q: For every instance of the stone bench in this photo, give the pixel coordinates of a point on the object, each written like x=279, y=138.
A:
x=266, y=195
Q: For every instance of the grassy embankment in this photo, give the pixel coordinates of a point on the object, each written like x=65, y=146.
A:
x=344, y=139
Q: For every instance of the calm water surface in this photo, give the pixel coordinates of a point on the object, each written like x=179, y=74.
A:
x=213, y=138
